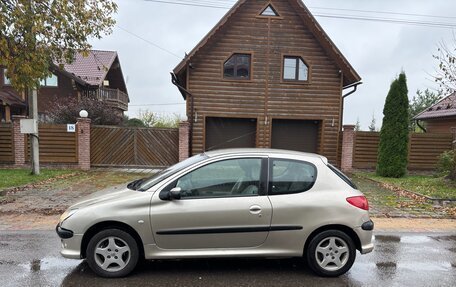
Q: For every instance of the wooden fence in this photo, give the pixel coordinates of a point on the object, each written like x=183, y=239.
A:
x=56, y=145
x=6, y=143
x=125, y=146
x=424, y=149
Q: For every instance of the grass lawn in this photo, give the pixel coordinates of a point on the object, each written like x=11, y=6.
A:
x=18, y=177
x=435, y=187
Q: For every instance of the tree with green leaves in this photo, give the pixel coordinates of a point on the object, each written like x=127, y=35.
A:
x=37, y=33
x=394, y=134
x=420, y=102
x=155, y=120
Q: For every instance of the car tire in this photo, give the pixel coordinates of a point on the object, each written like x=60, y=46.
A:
x=112, y=253
x=331, y=253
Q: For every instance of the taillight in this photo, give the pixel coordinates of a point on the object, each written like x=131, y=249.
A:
x=359, y=201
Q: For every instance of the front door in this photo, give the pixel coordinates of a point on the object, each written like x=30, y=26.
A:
x=223, y=205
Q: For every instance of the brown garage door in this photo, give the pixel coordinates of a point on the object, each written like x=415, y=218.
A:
x=230, y=133
x=295, y=135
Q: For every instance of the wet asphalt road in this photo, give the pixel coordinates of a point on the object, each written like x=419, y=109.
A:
x=29, y=258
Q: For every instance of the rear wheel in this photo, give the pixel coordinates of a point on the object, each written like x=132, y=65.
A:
x=331, y=253
x=112, y=253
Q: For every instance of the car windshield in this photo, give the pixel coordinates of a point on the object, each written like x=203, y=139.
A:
x=342, y=176
x=146, y=183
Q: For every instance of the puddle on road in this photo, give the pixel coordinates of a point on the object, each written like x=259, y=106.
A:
x=415, y=266
x=387, y=238
x=50, y=263
x=415, y=239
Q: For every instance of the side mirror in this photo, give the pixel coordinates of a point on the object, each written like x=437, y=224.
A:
x=173, y=194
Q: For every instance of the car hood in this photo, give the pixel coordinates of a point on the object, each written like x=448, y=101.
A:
x=103, y=196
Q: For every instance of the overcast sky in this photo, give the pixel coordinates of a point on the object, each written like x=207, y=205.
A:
x=377, y=50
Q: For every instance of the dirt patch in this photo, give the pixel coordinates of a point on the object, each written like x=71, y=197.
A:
x=54, y=196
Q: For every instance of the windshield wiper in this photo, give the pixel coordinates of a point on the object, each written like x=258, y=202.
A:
x=135, y=184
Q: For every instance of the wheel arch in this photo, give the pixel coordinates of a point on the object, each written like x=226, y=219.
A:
x=347, y=230
x=100, y=226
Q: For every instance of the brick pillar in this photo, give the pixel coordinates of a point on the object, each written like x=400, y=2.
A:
x=348, y=138
x=184, y=138
x=18, y=141
x=83, y=130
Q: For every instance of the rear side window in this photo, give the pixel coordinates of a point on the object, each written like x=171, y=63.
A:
x=290, y=176
x=342, y=176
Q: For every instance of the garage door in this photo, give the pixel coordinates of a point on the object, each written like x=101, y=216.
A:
x=230, y=133
x=295, y=135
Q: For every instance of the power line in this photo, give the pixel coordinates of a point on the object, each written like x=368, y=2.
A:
x=149, y=42
x=217, y=4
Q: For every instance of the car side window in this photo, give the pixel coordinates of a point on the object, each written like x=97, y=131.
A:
x=227, y=178
x=291, y=176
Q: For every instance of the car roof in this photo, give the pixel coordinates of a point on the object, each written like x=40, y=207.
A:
x=263, y=151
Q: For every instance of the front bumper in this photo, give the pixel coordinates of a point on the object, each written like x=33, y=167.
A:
x=71, y=243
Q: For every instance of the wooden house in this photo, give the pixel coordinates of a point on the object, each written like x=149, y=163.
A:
x=441, y=117
x=266, y=75
x=98, y=75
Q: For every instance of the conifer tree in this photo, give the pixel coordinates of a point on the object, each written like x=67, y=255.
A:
x=393, y=146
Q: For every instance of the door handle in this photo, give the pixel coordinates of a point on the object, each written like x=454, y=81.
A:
x=255, y=209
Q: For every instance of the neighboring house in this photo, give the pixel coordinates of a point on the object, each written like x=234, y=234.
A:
x=99, y=75
x=266, y=75
x=440, y=117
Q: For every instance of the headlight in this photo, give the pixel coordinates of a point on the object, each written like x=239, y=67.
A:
x=67, y=214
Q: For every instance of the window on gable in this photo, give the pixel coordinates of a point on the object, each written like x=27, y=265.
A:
x=50, y=81
x=237, y=67
x=269, y=11
x=294, y=69
x=6, y=81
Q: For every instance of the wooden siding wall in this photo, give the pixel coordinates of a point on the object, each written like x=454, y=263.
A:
x=6, y=143
x=424, y=149
x=443, y=125
x=56, y=144
x=266, y=96
x=123, y=146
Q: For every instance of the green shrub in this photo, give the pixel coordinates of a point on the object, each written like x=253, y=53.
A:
x=446, y=162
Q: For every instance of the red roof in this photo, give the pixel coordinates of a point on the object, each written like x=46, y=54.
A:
x=11, y=99
x=93, y=68
x=444, y=108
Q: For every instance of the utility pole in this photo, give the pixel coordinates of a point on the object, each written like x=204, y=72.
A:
x=35, y=149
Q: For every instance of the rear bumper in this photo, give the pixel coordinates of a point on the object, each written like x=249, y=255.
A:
x=364, y=233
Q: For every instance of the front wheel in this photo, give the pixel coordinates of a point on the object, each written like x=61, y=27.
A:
x=112, y=253
x=331, y=253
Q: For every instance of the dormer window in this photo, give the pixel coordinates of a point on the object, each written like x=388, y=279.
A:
x=237, y=67
x=269, y=11
x=50, y=81
x=295, y=69
x=6, y=80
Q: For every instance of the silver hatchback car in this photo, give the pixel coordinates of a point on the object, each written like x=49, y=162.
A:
x=228, y=203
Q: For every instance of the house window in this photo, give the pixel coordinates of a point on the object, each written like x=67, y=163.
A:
x=2, y=113
x=6, y=81
x=269, y=11
x=51, y=81
x=237, y=67
x=294, y=69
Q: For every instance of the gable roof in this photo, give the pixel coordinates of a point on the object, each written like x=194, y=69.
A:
x=349, y=73
x=444, y=108
x=10, y=98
